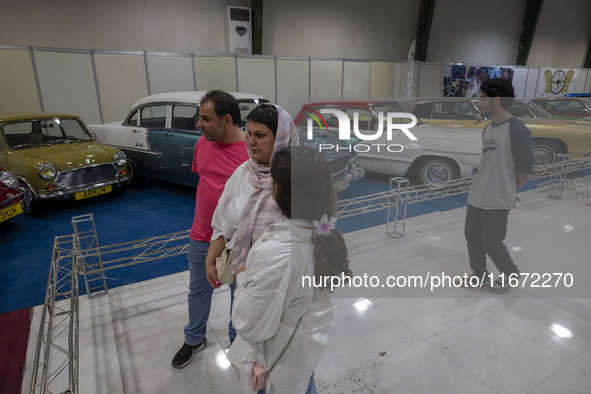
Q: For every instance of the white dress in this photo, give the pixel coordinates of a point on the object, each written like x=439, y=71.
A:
x=268, y=302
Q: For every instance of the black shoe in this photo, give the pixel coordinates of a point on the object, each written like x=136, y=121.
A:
x=184, y=356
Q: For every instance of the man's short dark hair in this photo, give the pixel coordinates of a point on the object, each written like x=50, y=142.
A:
x=224, y=104
x=499, y=87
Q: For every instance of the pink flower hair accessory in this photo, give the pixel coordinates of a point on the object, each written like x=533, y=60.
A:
x=324, y=226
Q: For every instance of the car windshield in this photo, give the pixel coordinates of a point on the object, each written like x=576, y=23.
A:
x=538, y=111
x=38, y=132
x=529, y=110
x=391, y=106
x=388, y=106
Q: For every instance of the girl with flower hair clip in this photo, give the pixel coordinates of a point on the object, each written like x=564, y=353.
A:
x=282, y=324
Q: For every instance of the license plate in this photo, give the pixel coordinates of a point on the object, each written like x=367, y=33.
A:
x=93, y=192
x=342, y=185
x=10, y=212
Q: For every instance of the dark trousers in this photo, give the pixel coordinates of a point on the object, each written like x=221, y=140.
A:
x=485, y=231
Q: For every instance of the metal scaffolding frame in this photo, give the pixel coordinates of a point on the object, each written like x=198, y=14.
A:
x=400, y=194
x=55, y=368
x=56, y=356
x=80, y=254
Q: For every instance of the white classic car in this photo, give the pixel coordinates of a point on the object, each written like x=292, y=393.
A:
x=438, y=154
x=160, y=132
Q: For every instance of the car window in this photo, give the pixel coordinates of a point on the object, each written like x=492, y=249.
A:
x=572, y=106
x=538, y=111
x=185, y=117
x=246, y=105
x=450, y=110
x=424, y=110
x=153, y=116
x=587, y=101
x=465, y=110
x=132, y=118
x=386, y=107
x=519, y=109
x=558, y=106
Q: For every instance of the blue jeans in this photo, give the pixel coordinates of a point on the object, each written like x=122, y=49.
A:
x=199, y=298
x=310, y=390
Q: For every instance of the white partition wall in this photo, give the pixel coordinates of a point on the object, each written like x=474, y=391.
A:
x=356, y=79
x=215, y=72
x=428, y=80
x=102, y=85
x=257, y=75
x=17, y=81
x=382, y=79
x=582, y=83
x=293, y=83
x=587, y=88
x=67, y=83
x=520, y=77
x=531, y=83
x=113, y=72
x=326, y=79
x=170, y=73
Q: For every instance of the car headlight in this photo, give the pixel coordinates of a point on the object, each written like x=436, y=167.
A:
x=47, y=171
x=9, y=180
x=119, y=158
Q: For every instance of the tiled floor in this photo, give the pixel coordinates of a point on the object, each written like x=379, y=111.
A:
x=383, y=340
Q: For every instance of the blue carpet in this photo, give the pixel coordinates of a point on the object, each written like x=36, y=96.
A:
x=26, y=242
x=155, y=208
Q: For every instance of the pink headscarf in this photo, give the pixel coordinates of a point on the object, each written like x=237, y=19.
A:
x=261, y=210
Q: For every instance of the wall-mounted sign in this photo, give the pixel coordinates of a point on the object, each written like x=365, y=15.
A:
x=461, y=80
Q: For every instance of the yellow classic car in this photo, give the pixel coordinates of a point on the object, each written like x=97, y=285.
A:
x=55, y=157
x=550, y=136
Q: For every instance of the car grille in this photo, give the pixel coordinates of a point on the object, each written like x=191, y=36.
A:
x=338, y=164
x=86, y=175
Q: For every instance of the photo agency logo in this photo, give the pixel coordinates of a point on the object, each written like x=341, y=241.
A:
x=394, y=122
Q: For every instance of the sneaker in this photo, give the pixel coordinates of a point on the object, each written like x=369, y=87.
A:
x=184, y=356
x=502, y=286
x=475, y=282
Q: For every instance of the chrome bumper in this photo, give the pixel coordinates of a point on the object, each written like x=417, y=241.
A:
x=67, y=193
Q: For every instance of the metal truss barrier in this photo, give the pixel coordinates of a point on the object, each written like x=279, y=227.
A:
x=55, y=368
x=56, y=356
x=400, y=194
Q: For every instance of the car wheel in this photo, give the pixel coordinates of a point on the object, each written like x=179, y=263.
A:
x=436, y=170
x=544, y=152
x=31, y=205
x=136, y=178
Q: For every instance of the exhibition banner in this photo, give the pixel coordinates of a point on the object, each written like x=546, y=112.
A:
x=554, y=82
x=461, y=80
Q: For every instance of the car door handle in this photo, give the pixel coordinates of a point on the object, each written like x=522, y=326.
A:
x=168, y=135
x=137, y=131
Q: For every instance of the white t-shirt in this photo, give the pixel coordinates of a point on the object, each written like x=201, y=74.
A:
x=506, y=150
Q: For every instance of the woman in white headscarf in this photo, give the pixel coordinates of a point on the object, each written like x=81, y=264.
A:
x=246, y=207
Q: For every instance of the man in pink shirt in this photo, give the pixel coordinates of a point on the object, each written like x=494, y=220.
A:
x=217, y=154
